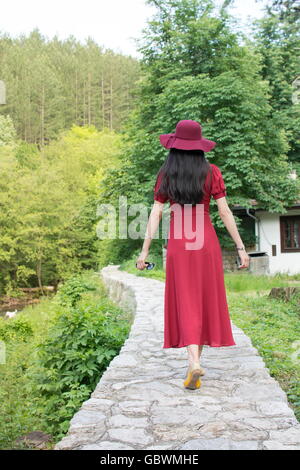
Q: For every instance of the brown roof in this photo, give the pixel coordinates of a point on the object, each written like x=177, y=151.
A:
x=253, y=202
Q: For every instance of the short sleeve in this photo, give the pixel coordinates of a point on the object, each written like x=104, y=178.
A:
x=161, y=197
x=218, y=188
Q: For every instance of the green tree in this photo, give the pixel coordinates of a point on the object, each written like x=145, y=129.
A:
x=53, y=84
x=195, y=68
x=278, y=42
x=7, y=130
x=48, y=206
x=286, y=8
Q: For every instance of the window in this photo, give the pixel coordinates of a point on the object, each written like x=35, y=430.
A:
x=290, y=233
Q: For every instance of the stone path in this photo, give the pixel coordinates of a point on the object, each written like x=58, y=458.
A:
x=140, y=401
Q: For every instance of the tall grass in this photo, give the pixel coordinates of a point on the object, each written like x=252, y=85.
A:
x=274, y=328
x=56, y=352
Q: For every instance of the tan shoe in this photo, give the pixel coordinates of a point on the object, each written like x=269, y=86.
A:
x=193, y=376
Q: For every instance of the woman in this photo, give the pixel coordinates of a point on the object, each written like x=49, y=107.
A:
x=195, y=303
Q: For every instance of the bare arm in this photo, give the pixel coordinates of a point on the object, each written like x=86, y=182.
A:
x=152, y=225
x=229, y=222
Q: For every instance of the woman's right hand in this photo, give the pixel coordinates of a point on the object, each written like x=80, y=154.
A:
x=245, y=259
x=140, y=262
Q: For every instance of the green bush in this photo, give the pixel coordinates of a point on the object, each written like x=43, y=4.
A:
x=15, y=329
x=114, y=251
x=55, y=355
x=79, y=346
x=71, y=291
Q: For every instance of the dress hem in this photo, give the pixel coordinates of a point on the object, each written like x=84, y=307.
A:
x=202, y=344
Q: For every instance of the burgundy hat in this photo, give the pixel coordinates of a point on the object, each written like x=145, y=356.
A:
x=188, y=136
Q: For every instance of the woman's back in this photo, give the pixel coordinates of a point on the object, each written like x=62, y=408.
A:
x=214, y=186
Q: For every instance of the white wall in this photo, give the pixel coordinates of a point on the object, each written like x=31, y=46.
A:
x=270, y=235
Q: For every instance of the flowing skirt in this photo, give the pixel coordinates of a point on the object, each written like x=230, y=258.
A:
x=195, y=303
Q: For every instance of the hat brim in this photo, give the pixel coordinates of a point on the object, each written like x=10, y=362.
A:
x=170, y=141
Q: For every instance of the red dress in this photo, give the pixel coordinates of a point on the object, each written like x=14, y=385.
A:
x=195, y=303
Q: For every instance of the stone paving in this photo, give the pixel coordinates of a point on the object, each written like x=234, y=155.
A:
x=140, y=401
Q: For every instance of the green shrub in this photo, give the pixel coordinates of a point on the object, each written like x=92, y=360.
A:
x=71, y=291
x=55, y=356
x=15, y=329
x=70, y=361
x=114, y=251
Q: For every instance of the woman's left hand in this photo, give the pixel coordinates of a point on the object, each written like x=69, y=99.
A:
x=141, y=260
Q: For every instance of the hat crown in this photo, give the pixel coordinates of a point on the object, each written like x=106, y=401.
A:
x=188, y=129
x=188, y=136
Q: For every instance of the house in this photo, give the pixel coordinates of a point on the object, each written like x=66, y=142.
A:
x=277, y=237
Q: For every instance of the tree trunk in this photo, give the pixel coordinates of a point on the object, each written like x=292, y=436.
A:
x=111, y=104
x=103, y=105
x=284, y=293
x=76, y=98
x=84, y=110
x=42, y=128
x=89, y=99
x=39, y=274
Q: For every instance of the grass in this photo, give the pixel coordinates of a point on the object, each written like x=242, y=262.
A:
x=15, y=414
x=245, y=281
x=22, y=335
x=273, y=325
x=274, y=328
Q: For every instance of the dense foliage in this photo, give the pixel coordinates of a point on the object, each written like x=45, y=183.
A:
x=80, y=128
x=48, y=206
x=55, y=356
x=53, y=84
x=278, y=42
x=195, y=67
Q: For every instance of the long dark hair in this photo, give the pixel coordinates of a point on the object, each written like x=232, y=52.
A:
x=183, y=175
